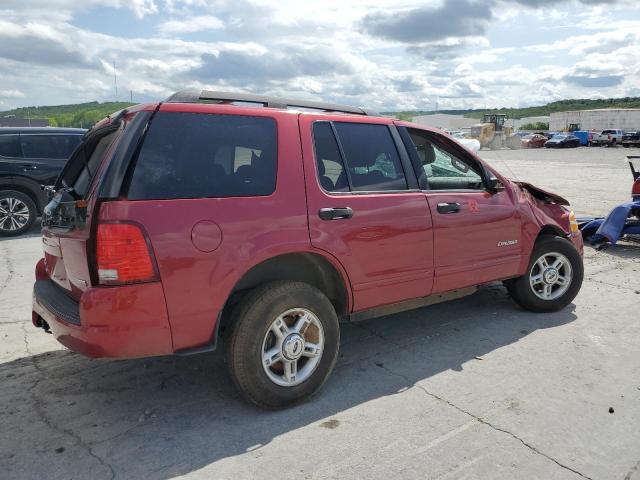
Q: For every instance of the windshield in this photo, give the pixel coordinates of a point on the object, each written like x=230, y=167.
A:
x=559, y=137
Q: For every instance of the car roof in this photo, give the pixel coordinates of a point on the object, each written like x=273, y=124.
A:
x=41, y=130
x=402, y=123
x=210, y=96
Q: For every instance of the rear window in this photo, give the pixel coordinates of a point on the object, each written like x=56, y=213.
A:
x=10, y=146
x=49, y=146
x=192, y=155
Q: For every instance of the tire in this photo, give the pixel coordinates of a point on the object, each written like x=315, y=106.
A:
x=17, y=213
x=522, y=290
x=254, y=322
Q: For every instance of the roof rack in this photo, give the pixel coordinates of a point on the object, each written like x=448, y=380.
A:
x=196, y=96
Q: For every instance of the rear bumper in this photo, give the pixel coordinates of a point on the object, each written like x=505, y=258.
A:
x=116, y=322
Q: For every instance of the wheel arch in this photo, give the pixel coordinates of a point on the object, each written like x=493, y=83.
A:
x=23, y=187
x=532, y=234
x=551, y=230
x=309, y=267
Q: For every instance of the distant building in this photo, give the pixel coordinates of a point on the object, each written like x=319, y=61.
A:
x=449, y=122
x=445, y=121
x=23, y=122
x=618, y=118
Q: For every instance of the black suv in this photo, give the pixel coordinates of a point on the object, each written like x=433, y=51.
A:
x=30, y=157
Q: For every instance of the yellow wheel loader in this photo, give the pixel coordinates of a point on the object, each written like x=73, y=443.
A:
x=493, y=134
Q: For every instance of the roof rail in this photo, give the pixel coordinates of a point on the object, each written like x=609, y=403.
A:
x=196, y=96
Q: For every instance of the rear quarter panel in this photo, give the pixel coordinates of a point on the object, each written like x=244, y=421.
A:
x=197, y=283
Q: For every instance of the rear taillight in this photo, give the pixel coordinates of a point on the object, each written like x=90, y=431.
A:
x=122, y=255
x=635, y=189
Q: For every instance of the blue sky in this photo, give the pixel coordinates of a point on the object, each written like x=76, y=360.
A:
x=384, y=55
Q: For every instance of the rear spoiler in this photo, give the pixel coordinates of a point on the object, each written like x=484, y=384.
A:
x=111, y=120
x=543, y=195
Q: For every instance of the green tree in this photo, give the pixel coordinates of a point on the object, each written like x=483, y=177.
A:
x=535, y=126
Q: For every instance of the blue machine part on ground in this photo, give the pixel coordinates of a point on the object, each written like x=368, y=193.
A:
x=622, y=220
x=614, y=226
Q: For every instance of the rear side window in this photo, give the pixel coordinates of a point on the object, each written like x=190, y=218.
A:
x=49, y=146
x=10, y=146
x=331, y=172
x=192, y=155
x=370, y=155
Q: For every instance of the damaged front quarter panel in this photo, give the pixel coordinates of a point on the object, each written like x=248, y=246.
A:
x=543, y=195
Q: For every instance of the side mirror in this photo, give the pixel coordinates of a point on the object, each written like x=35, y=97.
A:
x=494, y=185
x=458, y=165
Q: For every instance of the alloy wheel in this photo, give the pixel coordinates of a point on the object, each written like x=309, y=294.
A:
x=14, y=214
x=550, y=276
x=292, y=347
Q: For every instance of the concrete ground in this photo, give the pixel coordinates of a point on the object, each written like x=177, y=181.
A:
x=472, y=389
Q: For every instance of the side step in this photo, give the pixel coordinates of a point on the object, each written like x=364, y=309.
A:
x=411, y=304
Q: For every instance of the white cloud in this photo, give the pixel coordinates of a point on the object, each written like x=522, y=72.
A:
x=190, y=25
x=11, y=94
x=142, y=7
x=57, y=51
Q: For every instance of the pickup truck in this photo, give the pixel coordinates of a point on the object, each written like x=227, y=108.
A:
x=608, y=137
x=631, y=139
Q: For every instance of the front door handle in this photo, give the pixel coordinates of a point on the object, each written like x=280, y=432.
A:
x=448, y=207
x=341, y=213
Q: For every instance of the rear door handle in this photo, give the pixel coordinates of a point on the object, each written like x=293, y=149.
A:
x=448, y=207
x=340, y=213
x=29, y=166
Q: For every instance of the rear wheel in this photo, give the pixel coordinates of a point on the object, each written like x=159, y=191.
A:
x=17, y=213
x=553, y=277
x=284, y=343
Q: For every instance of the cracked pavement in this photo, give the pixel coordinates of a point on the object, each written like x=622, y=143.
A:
x=472, y=389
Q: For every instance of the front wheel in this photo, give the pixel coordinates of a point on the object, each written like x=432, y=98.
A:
x=553, y=278
x=284, y=343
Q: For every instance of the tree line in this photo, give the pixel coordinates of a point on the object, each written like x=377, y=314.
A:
x=82, y=115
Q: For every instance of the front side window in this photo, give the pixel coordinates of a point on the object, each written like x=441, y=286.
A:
x=371, y=161
x=10, y=146
x=192, y=155
x=443, y=169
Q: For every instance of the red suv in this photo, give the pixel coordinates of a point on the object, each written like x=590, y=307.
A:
x=263, y=221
